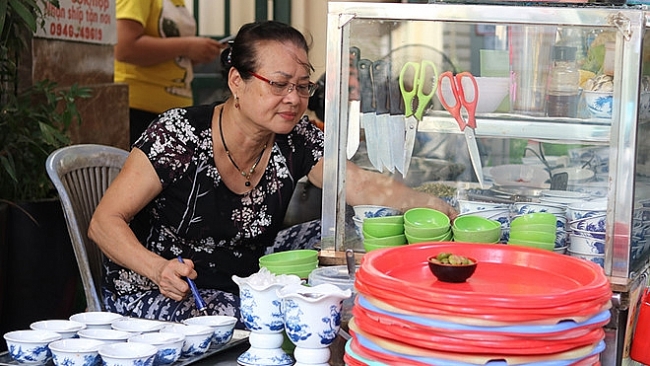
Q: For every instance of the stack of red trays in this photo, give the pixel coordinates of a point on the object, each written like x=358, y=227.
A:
x=521, y=306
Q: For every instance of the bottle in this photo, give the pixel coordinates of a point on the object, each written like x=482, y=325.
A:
x=563, y=85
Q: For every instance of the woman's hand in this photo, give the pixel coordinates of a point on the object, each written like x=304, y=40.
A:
x=171, y=278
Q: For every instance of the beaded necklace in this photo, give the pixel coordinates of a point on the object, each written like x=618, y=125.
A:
x=245, y=174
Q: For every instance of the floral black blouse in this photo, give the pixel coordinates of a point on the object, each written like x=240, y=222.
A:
x=197, y=216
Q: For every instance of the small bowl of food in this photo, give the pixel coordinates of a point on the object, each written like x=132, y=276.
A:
x=599, y=103
x=76, y=352
x=128, y=354
x=30, y=346
x=450, y=267
x=66, y=328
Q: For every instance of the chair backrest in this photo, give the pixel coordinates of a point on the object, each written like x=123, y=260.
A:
x=81, y=174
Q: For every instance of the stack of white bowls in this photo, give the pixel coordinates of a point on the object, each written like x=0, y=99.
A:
x=587, y=228
x=559, y=210
x=490, y=210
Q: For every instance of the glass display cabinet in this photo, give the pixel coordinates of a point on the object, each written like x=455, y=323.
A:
x=538, y=67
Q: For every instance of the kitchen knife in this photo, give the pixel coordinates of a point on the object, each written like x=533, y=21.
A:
x=380, y=83
x=397, y=125
x=368, y=112
x=353, y=107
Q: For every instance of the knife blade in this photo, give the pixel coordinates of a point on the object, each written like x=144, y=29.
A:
x=368, y=112
x=380, y=83
x=353, y=107
x=397, y=127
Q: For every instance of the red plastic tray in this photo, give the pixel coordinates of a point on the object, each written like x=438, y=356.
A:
x=507, y=276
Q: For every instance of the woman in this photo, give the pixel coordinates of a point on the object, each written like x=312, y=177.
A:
x=212, y=184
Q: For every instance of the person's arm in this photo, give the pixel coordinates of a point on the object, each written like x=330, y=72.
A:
x=134, y=47
x=134, y=187
x=366, y=187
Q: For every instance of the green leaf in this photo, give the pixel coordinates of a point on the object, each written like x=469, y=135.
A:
x=9, y=168
x=26, y=14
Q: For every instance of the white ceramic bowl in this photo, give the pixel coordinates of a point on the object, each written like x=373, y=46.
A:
x=66, y=328
x=128, y=354
x=587, y=234
x=491, y=92
x=466, y=206
x=566, y=194
x=170, y=345
x=522, y=208
x=594, y=189
x=501, y=215
x=599, y=259
x=358, y=225
x=96, y=319
x=599, y=104
x=365, y=211
x=76, y=352
x=594, y=223
x=519, y=175
x=222, y=325
x=584, y=245
x=576, y=174
x=106, y=335
x=197, y=338
x=581, y=210
x=137, y=325
x=30, y=346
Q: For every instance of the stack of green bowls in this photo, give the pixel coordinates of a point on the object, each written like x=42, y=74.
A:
x=476, y=229
x=383, y=232
x=426, y=225
x=299, y=262
x=537, y=230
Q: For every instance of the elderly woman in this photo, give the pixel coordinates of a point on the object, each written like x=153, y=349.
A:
x=212, y=184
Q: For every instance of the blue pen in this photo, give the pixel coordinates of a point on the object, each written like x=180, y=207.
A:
x=200, y=304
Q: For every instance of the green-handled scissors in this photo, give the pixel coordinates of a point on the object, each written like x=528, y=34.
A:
x=418, y=83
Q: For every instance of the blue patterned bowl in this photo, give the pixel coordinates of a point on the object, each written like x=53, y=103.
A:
x=76, y=352
x=197, y=338
x=66, y=328
x=128, y=354
x=170, y=345
x=30, y=346
x=599, y=104
x=222, y=325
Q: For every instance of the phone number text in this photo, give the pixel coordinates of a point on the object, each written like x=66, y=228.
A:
x=70, y=31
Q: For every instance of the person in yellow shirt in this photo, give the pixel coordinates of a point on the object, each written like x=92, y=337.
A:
x=156, y=48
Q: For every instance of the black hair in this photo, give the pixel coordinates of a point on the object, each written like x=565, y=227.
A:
x=242, y=53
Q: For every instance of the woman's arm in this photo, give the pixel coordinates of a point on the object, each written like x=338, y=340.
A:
x=134, y=47
x=134, y=187
x=366, y=187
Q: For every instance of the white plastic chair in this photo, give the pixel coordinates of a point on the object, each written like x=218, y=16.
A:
x=81, y=174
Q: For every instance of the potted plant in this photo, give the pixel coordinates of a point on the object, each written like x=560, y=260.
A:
x=34, y=120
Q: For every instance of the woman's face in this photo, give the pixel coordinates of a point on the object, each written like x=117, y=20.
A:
x=280, y=63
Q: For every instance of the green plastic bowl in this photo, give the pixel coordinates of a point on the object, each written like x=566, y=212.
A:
x=387, y=240
x=471, y=223
x=291, y=269
x=487, y=236
x=534, y=236
x=298, y=256
x=397, y=219
x=531, y=244
x=415, y=239
x=536, y=218
x=425, y=217
x=425, y=232
x=546, y=228
x=374, y=246
x=380, y=230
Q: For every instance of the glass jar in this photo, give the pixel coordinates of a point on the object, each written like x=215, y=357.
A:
x=563, y=85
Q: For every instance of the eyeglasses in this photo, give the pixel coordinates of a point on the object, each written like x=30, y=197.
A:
x=282, y=89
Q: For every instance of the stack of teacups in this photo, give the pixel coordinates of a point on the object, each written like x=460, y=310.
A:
x=426, y=225
x=476, y=229
x=537, y=230
x=299, y=262
x=362, y=212
x=587, y=226
x=383, y=232
x=490, y=210
x=559, y=210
